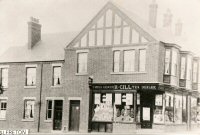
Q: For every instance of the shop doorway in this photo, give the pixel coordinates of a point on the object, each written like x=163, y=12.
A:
x=74, y=117
x=147, y=103
x=57, y=119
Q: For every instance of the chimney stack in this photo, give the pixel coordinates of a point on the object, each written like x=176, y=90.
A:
x=153, y=13
x=34, y=32
x=178, y=28
x=167, y=21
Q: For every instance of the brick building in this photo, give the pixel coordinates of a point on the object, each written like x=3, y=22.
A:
x=118, y=74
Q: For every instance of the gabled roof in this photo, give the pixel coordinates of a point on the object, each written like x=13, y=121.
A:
x=50, y=48
x=158, y=34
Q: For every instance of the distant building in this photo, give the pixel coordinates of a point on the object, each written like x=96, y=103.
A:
x=118, y=74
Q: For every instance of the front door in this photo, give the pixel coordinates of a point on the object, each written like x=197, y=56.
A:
x=57, y=119
x=147, y=103
x=74, y=117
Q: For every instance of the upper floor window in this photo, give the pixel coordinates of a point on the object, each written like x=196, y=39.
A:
x=174, y=62
x=142, y=60
x=3, y=108
x=82, y=62
x=116, y=61
x=56, y=75
x=29, y=109
x=167, y=61
x=4, y=77
x=129, y=60
x=195, y=72
x=30, y=76
x=183, y=67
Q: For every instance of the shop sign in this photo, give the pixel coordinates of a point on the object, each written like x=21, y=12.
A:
x=124, y=87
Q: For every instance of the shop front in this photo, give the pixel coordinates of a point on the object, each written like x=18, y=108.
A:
x=125, y=107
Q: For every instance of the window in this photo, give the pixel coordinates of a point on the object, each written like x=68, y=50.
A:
x=129, y=60
x=183, y=62
x=56, y=75
x=174, y=63
x=116, y=61
x=169, y=108
x=167, y=61
x=82, y=62
x=195, y=71
x=3, y=107
x=4, y=77
x=30, y=76
x=158, y=112
x=189, y=67
x=29, y=109
x=49, y=109
x=142, y=60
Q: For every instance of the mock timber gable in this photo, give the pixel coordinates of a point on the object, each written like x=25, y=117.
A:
x=111, y=27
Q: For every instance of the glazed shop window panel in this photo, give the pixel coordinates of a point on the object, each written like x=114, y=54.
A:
x=102, y=109
x=158, y=112
x=169, y=108
x=124, y=107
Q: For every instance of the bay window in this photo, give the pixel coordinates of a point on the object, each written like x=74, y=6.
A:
x=167, y=61
x=195, y=72
x=183, y=67
x=174, y=63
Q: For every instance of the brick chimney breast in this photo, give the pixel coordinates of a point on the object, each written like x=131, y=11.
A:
x=153, y=14
x=34, y=32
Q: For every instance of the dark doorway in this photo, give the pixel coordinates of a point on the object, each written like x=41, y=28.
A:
x=74, y=117
x=57, y=119
x=147, y=104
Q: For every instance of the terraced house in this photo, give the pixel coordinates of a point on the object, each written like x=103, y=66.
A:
x=119, y=74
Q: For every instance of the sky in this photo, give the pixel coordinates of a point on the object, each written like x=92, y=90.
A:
x=58, y=16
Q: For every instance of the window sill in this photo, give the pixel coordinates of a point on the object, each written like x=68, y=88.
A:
x=29, y=87
x=56, y=86
x=48, y=121
x=2, y=119
x=125, y=73
x=27, y=120
x=80, y=74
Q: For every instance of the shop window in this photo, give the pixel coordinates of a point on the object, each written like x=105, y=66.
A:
x=183, y=65
x=129, y=60
x=178, y=109
x=4, y=77
x=56, y=75
x=3, y=108
x=30, y=76
x=29, y=109
x=103, y=109
x=116, y=61
x=195, y=72
x=138, y=108
x=193, y=110
x=167, y=61
x=158, y=112
x=124, y=108
x=174, y=63
x=184, y=114
x=82, y=62
x=142, y=60
x=169, y=108
x=49, y=111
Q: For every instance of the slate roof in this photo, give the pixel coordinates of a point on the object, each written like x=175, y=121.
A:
x=50, y=48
